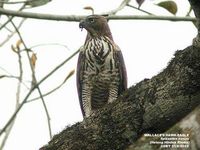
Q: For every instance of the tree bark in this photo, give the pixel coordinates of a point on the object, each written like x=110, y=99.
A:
x=189, y=125
x=153, y=105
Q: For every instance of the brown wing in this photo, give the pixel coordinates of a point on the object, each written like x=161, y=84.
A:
x=79, y=75
x=122, y=71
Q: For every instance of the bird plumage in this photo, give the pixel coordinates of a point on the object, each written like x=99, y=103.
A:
x=101, y=72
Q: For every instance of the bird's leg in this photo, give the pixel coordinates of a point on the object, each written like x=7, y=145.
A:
x=113, y=93
x=88, y=111
x=86, y=98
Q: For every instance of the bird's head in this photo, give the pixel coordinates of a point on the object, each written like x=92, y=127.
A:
x=96, y=26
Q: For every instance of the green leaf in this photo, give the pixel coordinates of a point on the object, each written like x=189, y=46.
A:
x=36, y=3
x=169, y=5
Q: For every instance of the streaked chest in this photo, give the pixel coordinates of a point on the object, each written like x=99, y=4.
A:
x=99, y=54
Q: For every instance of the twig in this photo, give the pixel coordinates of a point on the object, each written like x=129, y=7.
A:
x=32, y=89
x=137, y=8
x=13, y=33
x=1, y=25
x=47, y=44
x=4, y=70
x=10, y=18
x=13, y=77
x=9, y=76
x=51, y=91
x=35, y=81
x=121, y=6
x=190, y=10
x=8, y=131
x=46, y=94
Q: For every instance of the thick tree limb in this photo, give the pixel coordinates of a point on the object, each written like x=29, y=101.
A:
x=153, y=105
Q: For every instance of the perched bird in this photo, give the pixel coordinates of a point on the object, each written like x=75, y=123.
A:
x=101, y=72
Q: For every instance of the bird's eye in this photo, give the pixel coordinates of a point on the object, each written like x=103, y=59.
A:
x=91, y=20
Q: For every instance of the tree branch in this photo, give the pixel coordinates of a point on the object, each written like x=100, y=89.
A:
x=78, y=18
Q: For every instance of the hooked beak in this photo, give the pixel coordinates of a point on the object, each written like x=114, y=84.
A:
x=82, y=24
